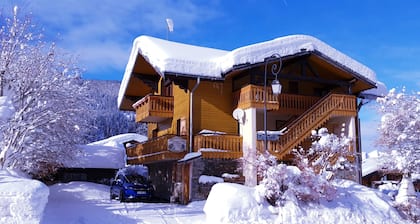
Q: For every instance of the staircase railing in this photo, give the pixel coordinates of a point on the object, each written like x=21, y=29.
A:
x=313, y=118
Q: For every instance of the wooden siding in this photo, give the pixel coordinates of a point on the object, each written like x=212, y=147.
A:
x=181, y=109
x=213, y=107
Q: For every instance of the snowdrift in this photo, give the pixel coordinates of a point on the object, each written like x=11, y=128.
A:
x=21, y=200
x=233, y=203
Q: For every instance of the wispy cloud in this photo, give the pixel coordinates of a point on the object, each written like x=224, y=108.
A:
x=101, y=32
x=405, y=77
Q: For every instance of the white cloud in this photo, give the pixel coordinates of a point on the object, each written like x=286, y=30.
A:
x=101, y=32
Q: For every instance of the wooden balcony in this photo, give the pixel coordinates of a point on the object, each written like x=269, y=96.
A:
x=154, y=150
x=253, y=96
x=218, y=146
x=312, y=119
x=154, y=108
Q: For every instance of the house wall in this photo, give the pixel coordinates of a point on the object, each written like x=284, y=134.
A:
x=181, y=112
x=212, y=107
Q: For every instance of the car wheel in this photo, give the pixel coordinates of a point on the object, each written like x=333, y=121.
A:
x=111, y=196
x=122, y=198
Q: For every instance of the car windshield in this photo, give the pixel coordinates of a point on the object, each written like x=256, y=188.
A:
x=136, y=179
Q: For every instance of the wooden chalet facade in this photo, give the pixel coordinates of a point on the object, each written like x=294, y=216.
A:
x=181, y=90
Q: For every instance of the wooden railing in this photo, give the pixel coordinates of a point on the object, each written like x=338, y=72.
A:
x=152, y=151
x=253, y=96
x=218, y=146
x=154, y=108
x=296, y=104
x=315, y=117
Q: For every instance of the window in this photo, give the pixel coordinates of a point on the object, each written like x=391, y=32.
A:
x=181, y=127
x=167, y=89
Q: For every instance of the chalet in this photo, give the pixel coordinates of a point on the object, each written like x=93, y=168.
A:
x=373, y=175
x=204, y=106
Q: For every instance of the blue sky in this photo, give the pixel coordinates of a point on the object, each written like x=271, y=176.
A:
x=383, y=35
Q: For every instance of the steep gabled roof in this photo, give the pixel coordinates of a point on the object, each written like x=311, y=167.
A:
x=167, y=57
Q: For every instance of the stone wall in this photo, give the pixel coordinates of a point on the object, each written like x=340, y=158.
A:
x=210, y=167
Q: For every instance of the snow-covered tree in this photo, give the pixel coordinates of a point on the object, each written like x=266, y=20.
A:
x=328, y=154
x=104, y=117
x=399, y=130
x=15, y=35
x=48, y=98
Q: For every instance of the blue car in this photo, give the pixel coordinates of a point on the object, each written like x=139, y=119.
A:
x=131, y=188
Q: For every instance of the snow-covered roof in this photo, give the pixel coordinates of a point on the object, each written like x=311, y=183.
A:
x=183, y=59
x=105, y=154
x=370, y=163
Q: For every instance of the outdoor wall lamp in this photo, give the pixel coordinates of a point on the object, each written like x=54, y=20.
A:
x=275, y=63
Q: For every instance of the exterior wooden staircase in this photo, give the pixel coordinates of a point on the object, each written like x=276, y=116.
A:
x=314, y=118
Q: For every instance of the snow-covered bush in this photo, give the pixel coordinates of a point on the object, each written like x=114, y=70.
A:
x=281, y=183
x=309, y=179
x=329, y=153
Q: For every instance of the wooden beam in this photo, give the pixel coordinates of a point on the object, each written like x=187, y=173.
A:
x=133, y=98
x=150, y=80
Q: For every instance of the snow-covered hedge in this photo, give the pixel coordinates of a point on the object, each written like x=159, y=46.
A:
x=21, y=200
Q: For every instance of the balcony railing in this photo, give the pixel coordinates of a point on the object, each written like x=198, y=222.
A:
x=152, y=151
x=253, y=96
x=218, y=146
x=315, y=117
x=154, y=108
x=296, y=104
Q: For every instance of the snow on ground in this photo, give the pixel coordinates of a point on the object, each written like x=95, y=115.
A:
x=23, y=200
x=83, y=202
